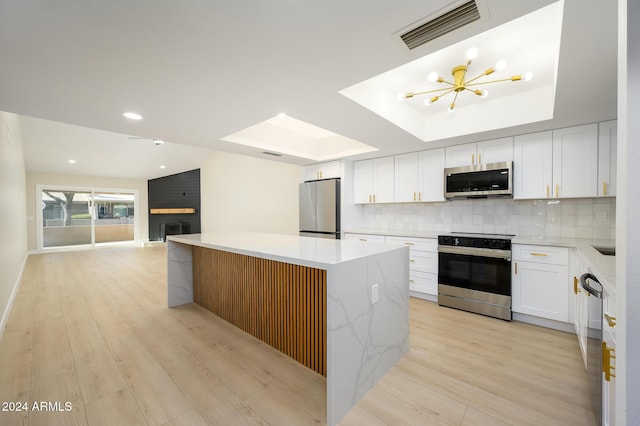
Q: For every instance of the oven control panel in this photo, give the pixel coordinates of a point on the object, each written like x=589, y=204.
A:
x=478, y=241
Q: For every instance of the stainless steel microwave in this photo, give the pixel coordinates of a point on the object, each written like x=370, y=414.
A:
x=479, y=181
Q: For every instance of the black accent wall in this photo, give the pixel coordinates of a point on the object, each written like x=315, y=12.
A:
x=181, y=190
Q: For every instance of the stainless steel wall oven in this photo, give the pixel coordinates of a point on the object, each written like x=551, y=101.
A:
x=474, y=273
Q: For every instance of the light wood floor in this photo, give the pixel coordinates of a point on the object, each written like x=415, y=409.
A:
x=92, y=328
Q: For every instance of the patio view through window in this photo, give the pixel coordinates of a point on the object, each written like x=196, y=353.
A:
x=71, y=218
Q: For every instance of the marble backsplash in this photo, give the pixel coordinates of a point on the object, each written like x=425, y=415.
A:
x=568, y=218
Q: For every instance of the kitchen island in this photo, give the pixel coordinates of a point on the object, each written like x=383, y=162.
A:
x=338, y=307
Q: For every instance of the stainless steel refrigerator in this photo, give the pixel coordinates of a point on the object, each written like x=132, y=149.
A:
x=320, y=208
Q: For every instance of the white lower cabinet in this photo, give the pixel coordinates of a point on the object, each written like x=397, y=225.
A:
x=423, y=263
x=373, y=238
x=539, y=281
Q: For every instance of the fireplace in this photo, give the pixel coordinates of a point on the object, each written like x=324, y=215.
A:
x=173, y=228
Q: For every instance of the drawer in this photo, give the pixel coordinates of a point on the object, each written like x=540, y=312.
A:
x=372, y=238
x=423, y=261
x=540, y=254
x=423, y=282
x=414, y=243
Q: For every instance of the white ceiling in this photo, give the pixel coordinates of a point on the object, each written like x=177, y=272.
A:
x=200, y=71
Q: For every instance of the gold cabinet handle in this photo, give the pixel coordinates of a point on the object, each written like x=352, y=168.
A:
x=409, y=244
x=362, y=239
x=610, y=320
x=411, y=281
x=557, y=190
x=516, y=265
x=547, y=191
x=473, y=159
x=479, y=158
x=369, y=197
x=604, y=188
x=414, y=196
x=539, y=254
x=374, y=198
x=320, y=174
x=607, y=354
x=576, y=289
x=412, y=260
x=419, y=196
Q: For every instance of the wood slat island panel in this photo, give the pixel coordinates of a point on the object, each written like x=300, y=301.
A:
x=282, y=304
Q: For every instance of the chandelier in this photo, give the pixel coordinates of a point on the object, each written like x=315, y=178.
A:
x=460, y=84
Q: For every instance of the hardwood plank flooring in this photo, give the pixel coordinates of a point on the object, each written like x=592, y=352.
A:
x=92, y=328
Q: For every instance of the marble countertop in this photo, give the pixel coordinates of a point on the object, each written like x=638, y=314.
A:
x=307, y=251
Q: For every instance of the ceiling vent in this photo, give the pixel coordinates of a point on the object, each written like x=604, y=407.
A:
x=273, y=154
x=443, y=24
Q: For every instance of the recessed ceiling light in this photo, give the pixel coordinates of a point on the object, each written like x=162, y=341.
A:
x=162, y=166
x=72, y=161
x=282, y=115
x=132, y=116
x=157, y=142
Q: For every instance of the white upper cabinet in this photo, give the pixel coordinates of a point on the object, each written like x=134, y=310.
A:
x=556, y=164
x=406, y=178
x=419, y=176
x=373, y=181
x=495, y=151
x=491, y=151
x=460, y=155
x=533, y=165
x=431, y=175
x=575, y=162
x=607, y=158
x=328, y=170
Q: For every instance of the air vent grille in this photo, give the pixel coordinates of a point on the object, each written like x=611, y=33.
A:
x=454, y=19
x=273, y=154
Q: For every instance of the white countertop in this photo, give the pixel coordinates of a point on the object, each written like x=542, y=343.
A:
x=415, y=234
x=307, y=251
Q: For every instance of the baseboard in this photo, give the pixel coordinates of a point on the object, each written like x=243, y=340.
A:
x=424, y=296
x=12, y=297
x=543, y=322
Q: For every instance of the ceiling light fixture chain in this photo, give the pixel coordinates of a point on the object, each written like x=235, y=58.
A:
x=459, y=84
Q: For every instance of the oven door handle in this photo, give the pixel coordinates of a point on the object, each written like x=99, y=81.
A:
x=475, y=251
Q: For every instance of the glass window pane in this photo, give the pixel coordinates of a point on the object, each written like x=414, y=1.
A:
x=114, y=217
x=66, y=219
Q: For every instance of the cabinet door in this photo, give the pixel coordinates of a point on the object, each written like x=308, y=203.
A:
x=423, y=282
x=363, y=181
x=383, y=175
x=532, y=165
x=541, y=290
x=495, y=151
x=609, y=337
x=579, y=319
x=607, y=158
x=575, y=162
x=431, y=175
x=406, y=177
x=460, y=155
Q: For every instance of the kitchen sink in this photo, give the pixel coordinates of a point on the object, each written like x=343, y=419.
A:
x=607, y=251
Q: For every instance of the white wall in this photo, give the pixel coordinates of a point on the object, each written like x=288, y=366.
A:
x=13, y=229
x=240, y=193
x=95, y=182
